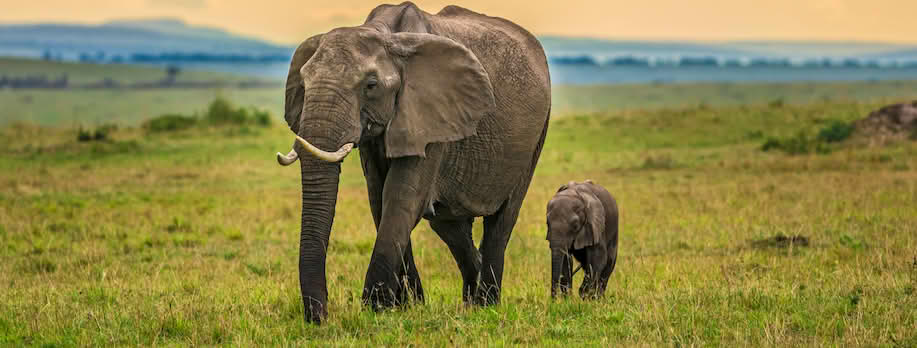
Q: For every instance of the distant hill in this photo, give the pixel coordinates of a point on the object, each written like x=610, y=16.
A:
x=166, y=41
x=901, y=54
x=118, y=40
x=603, y=49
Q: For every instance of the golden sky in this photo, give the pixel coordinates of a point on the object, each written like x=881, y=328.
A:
x=290, y=21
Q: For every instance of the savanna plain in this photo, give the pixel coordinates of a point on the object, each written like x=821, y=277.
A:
x=190, y=237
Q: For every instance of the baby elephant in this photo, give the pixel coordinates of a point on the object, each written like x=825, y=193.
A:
x=582, y=222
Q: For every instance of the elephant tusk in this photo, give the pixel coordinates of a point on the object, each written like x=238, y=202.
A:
x=336, y=156
x=287, y=159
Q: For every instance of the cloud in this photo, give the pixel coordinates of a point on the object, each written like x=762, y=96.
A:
x=196, y=4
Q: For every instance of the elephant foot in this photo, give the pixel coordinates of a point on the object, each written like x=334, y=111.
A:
x=487, y=295
x=385, y=289
x=315, y=311
x=380, y=297
x=560, y=291
x=590, y=291
x=469, y=290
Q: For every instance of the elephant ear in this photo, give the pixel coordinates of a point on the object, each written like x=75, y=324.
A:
x=594, y=228
x=295, y=92
x=444, y=92
x=405, y=17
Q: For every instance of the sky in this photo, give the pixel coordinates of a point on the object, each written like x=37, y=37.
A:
x=291, y=21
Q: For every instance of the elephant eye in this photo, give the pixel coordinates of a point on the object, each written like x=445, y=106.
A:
x=371, y=84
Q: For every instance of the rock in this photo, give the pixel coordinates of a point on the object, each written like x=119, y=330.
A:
x=893, y=122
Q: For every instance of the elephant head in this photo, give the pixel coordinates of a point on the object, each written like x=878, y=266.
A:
x=368, y=85
x=576, y=221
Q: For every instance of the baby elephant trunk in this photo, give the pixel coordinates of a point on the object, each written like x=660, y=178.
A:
x=561, y=272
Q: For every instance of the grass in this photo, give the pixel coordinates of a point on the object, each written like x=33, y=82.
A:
x=191, y=238
x=83, y=73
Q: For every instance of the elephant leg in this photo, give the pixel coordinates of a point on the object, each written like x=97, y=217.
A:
x=406, y=188
x=411, y=277
x=375, y=170
x=457, y=235
x=497, y=231
x=594, y=266
x=606, y=273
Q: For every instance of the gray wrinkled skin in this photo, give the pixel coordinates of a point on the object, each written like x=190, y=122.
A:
x=582, y=223
x=449, y=112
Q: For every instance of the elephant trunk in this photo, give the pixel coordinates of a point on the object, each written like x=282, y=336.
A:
x=328, y=127
x=319, y=197
x=560, y=272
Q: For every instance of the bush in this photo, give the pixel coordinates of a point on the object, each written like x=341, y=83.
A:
x=837, y=131
x=169, y=123
x=83, y=135
x=802, y=143
x=103, y=131
x=798, y=144
x=261, y=117
x=771, y=144
x=776, y=103
x=221, y=111
x=100, y=134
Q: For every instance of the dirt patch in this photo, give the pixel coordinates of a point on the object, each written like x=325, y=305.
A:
x=890, y=123
x=781, y=241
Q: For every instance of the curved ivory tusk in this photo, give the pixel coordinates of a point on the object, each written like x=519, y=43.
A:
x=287, y=159
x=336, y=156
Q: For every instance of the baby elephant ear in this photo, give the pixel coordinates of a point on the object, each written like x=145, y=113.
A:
x=594, y=228
x=445, y=91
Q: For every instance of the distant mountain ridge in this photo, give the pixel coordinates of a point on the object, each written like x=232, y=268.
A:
x=795, y=49
x=169, y=41
x=595, y=52
x=125, y=37
x=174, y=26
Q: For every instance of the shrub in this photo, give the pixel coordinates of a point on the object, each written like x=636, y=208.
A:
x=83, y=135
x=776, y=103
x=99, y=134
x=261, y=117
x=837, y=131
x=771, y=144
x=798, y=144
x=169, y=123
x=102, y=132
x=221, y=111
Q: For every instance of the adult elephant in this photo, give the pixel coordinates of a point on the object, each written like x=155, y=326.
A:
x=449, y=111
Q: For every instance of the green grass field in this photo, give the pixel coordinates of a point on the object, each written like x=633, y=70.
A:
x=83, y=73
x=191, y=238
x=131, y=107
